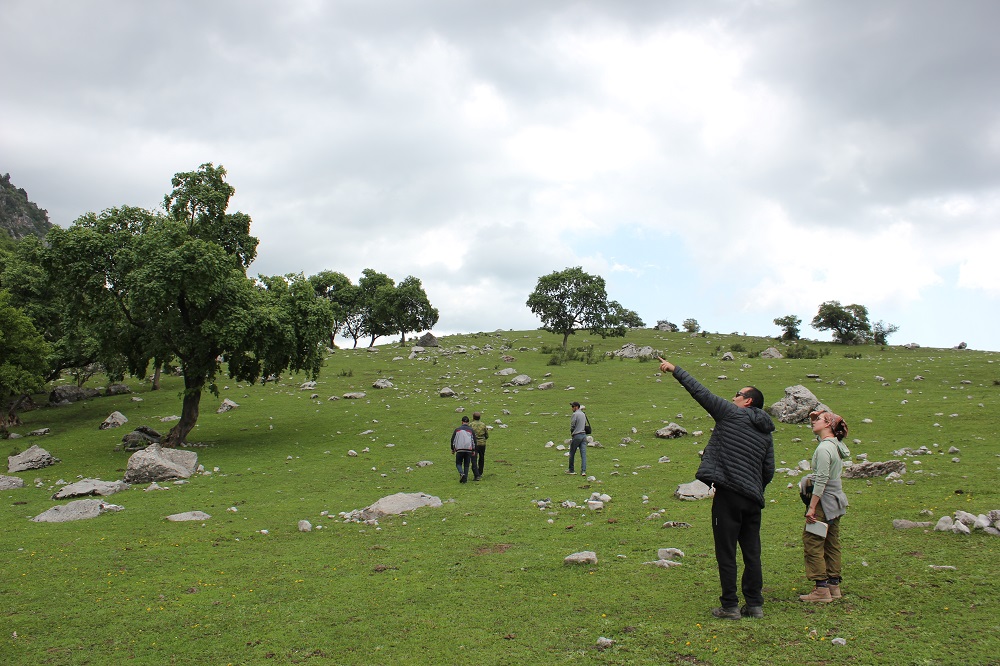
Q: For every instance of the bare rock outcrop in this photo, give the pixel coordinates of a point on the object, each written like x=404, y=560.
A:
x=34, y=458
x=796, y=405
x=156, y=463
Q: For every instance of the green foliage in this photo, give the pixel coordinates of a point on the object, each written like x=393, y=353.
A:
x=853, y=355
x=802, y=350
x=570, y=299
x=789, y=326
x=586, y=355
x=22, y=359
x=153, y=287
x=849, y=323
x=133, y=587
x=691, y=326
x=881, y=332
x=737, y=347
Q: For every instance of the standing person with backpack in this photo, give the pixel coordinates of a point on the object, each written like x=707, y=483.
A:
x=482, y=434
x=463, y=445
x=578, y=426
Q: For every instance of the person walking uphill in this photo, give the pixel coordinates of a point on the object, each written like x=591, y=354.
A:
x=463, y=445
x=482, y=434
x=578, y=431
x=825, y=502
x=739, y=462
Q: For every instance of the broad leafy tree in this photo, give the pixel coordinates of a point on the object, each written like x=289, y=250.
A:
x=178, y=281
x=571, y=299
x=31, y=276
x=23, y=354
x=691, y=325
x=848, y=323
x=408, y=308
x=881, y=332
x=789, y=326
x=376, y=304
x=337, y=289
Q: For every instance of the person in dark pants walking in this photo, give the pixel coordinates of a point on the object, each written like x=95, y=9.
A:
x=739, y=462
x=482, y=434
x=463, y=445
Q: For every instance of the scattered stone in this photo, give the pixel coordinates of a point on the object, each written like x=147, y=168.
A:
x=630, y=350
x=545, y=386
x=771, y=352
x=695, y=490
x=226, y=406
x=903, y=524
x=666, y=564
x=114, y=420
x=675, y=524
x=155, y=486
x=10, y=482
x=187, y=516
x=427, y=340
x=840, y=642
x=305, y=526
x=382, y=384
x=33, y=458
x=156, y=463
x=355, y=395
x=669, y=554
x=870, y=469
x=604, y=643
x=140, y=438
x=446, y=392
x=796, y=405
x=78, y=510
x=117, y=389
x=391, y=505
x=39, y=433
x=671, y=431
x=64, y=395
x=521, y=380
x=583, y=557
x=87, y=487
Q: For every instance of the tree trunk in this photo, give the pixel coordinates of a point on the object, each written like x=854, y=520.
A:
x=565, y=341
x=189, y=414
x=156, y=377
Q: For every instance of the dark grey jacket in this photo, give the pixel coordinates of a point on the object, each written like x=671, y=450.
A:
x=740, y=454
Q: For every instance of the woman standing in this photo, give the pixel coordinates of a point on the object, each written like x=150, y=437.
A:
x=826, y=504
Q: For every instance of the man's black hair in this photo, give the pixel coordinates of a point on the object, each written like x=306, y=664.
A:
x=755, y=396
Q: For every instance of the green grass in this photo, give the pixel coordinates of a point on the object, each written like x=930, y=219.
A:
x=481, y=580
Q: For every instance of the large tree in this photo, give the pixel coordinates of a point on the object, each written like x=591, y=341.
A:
x=849, y=323
x=375, y=304
x=338, y=290
x=23, y=365
x=570, y=299
x=179, y=282
x=789, y=326
x=407, y=308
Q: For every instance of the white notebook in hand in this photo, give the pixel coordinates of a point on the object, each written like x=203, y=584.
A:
x=818, y=528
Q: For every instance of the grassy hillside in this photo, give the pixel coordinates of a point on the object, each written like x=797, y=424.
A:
x=481, y=580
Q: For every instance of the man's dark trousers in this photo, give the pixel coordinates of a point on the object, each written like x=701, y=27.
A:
x=736, y=519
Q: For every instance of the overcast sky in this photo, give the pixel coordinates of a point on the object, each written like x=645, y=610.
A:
x=730, y=162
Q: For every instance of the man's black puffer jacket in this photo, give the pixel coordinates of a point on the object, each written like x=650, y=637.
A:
x=740, y=454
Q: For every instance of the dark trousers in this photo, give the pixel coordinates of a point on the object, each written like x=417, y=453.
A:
x=736, y=520
x=462, y=461
x=479, y=460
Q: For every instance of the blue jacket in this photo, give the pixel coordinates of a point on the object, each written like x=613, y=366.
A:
x=740, y=453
